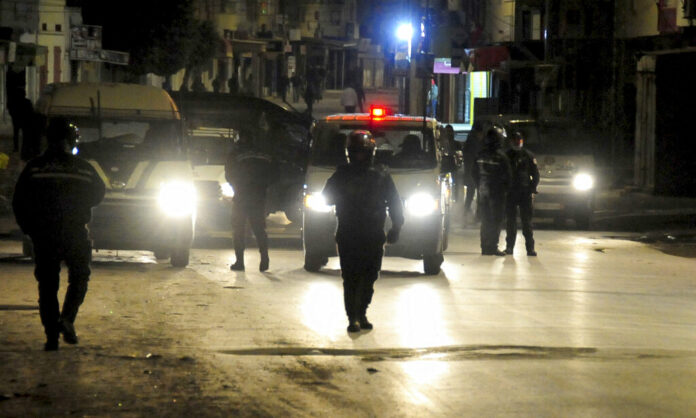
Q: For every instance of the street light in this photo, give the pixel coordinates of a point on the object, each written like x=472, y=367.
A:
x=404, y=32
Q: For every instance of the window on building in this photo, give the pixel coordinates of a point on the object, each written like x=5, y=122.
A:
x=59, y=28
x=44, y=27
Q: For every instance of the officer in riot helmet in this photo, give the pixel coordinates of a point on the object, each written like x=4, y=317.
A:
x=525, y=179
x=52, y=202
x=250, y=172
x=492, y=176
x=362, y=192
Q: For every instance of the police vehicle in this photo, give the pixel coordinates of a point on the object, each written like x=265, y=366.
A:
x=566, y=164
x=407, y=146
x=131, y=134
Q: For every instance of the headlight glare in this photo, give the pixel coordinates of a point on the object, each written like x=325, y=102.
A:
x=583, y=182
x=227, y=190
x=177, y=198
x=421, y=204
x=316, y=202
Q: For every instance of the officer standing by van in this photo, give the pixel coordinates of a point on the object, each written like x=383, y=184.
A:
x=492, y=176
x=250, y=172
x=525, y=179
x=52, y=203
x=362, y=192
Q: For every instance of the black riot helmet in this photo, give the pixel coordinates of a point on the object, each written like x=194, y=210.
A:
x=61, y=135
x=360, y=147
x=495, y=137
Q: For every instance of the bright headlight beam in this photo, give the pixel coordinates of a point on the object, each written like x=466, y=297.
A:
x=421, y=204
x=177, y=198
x=316, y=202
x=227, y=190
x=583, y=182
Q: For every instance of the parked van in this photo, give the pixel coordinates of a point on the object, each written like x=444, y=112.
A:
x=408, y=147
x=131, y=134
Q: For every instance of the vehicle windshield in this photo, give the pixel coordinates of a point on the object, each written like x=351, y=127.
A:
x=397, y=146
x=552, y=138
x=127, y=140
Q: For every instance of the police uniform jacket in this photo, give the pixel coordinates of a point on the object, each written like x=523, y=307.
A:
x=491, y=172
x=525, y=173
x=362, y=195
x=250, y=173
x=55, y=193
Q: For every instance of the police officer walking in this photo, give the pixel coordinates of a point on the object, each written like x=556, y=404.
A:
x=52, y=203
x=250, y=172
x=492, y=175
x=362, y=192
x=525, y=179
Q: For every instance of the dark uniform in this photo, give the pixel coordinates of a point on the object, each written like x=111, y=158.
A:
x=52, y=203
x=470, y=152
x=362, y=193
x=525, y=179
x=492, y=175
x=250, y=172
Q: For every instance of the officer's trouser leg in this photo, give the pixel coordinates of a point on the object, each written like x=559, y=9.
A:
x=372, y=264
x=487, y=231
x=77, y=260
x=511, y=222
x=47, y=273
x=526, y=214
x=350, y=271
x=239, y=217
x=257, y=219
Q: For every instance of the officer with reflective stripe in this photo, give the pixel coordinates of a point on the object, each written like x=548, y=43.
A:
x=492, y=175
x=525, y=179
x=53, y=203
x=362, y=193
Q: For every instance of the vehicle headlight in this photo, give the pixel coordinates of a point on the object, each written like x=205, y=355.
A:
x=316, y=202
x=421, y=204
x=583, y=182
x=177, y=198
x=227, y=190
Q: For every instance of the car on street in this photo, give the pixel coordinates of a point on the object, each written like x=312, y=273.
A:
x=564, y=154
x=131, y=134
x=408, y=147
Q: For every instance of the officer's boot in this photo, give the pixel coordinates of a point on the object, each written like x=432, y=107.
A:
x=263, y=265
x=349, y=299
x=74, y=297
x=239, y=261
x=530, y=250
x=364, y=323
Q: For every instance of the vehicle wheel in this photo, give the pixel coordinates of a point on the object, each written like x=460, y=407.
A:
x=432, y=263
x=582, y=221
x=293, y=213
x=314, y=262
x=161, y=254
x=445, y=233
x=180, y=257
x=27, y=247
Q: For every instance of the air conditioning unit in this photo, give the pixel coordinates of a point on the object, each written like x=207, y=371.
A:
x=689, y=9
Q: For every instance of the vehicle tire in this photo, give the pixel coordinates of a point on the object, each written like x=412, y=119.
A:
x=314, y=262
x=432, y=263
x=294, y=213
x=180, y=257
x=27, y=247
x=161, y=254
x=582, y=221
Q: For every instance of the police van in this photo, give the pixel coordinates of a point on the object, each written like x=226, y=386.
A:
x=131, y=134
x=408, y=147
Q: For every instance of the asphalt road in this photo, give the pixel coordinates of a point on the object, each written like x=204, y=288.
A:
x=597, y=325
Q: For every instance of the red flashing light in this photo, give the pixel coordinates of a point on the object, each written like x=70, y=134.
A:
x=378, y=111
